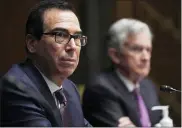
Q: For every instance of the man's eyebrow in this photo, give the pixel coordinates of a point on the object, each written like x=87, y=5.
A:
x=64, y=30
x=59, y=29
x=78, y=33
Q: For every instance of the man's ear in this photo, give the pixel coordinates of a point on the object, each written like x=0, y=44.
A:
x=114, y=55
x=31, y=43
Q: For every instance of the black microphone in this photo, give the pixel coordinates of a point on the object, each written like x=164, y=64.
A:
x=166, y=88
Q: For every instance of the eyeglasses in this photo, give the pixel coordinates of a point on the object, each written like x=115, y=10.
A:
x=64, y=38
x=137, y=48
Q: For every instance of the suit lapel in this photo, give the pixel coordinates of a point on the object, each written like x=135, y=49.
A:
x=42, y=86
x=146, y=98
x=72, y=115
x=127, y=97
x=67, y=115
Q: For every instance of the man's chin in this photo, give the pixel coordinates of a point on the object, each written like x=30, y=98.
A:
x=67, y=72
x=143, y=74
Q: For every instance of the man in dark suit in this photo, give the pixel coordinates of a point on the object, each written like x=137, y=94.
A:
x=37, y=92
x=123, y=95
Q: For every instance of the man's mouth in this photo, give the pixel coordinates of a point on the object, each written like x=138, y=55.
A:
x=68, y=60
x=143, y=66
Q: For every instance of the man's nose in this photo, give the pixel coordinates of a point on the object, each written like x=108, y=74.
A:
x=71, y=44
x=146, y=55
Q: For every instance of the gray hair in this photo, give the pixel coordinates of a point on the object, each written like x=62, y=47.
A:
x=121, y=29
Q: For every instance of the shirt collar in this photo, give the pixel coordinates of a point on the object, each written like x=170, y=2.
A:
x=52, y=86
x=129, y=85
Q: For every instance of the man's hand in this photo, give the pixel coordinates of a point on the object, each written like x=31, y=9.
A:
x=125, y=122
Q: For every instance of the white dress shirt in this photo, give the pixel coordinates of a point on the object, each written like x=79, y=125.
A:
x=129, y=85
x=52, y=86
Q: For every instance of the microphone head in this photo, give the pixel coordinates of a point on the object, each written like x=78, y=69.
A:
x=166, y=88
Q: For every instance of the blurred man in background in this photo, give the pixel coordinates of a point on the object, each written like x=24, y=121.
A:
x=37, y=92
x=123, y=95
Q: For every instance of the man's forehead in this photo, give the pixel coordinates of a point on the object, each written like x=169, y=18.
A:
x=59, y=29
x=57, y=16
x=139, y=38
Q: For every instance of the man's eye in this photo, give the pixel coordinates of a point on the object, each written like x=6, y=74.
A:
x=149, y=50
x=77, y=36
x=136, y=48
x=61, y=34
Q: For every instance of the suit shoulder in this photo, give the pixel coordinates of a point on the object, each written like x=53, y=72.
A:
x=149, y=84
x=10, y=81
x=69, y=85
x=100, y=78
x=15, y=72
x=147, y=81
x=104, y=82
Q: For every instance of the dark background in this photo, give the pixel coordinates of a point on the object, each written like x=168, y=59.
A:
x=164, y=17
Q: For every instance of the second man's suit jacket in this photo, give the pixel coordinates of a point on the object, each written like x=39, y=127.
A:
x=26, y=100
x=106, y=99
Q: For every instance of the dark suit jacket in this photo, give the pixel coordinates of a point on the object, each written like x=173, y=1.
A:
x=106, y=99
x=27, y=101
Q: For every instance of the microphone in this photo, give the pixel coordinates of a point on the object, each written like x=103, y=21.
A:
x=166, y=88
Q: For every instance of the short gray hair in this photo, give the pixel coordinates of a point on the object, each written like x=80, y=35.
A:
x=121, y=29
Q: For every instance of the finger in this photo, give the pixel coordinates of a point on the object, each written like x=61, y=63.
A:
x=126, y=125
x=123, y=119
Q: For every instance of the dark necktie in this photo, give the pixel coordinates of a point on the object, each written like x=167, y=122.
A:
x=144, y=117
x=60, y=97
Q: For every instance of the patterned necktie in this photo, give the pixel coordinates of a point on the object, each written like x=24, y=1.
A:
x=144, y=117
x=60, y=97
x=62, y=102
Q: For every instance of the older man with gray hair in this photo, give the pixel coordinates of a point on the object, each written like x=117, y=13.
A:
x=123, y=95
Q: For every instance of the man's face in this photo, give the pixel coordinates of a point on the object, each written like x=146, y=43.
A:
x=136, y=54
x=59, y=59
